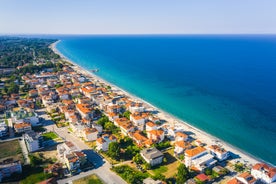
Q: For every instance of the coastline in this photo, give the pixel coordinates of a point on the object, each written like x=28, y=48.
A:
x=170, y=119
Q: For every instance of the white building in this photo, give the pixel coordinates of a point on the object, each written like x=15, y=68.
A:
x=90, y=134
x=33, y=141
x=198, y=157
x=3, y=129
x=264, y=172
x=218, y=152
x=152, y=156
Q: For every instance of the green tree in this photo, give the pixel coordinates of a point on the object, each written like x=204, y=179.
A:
x=114, y=150
x=127, y=114
x=102, y=121
x=182, y=174
x=138, y=159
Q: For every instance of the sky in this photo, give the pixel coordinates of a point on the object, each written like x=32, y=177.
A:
x=138, y=17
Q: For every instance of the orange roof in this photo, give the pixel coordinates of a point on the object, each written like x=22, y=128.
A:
x=182, y=144
x=156, y=132
x=100, y=140
x=90, y=130
x=22, y=125
x=270, y=171
x=112, y=114
x=84, y=108
x=150, y=124
x=139, y=137
x=234, y=181
x=181, y=134
x=88, y=89
x=195, y=151
x=248, y=177
x=216, y=148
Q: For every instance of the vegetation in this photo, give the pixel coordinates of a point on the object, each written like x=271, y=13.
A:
x=91, y=179
x=129, y=174
x=114, y=150
x=127, y=114
x=35, y=178
x=12, y=149
x=239, y=167
x=49, y=136
x=20, y=51
x=162, y=145
x=182, y=174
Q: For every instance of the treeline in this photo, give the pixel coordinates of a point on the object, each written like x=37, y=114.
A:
x=19, y=51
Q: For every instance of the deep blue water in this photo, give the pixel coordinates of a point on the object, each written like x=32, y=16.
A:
x=225, y=85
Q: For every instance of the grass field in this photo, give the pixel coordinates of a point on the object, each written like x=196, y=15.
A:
x=49, y=136
x=10, y=149
x=91, y=179
x=168, y=169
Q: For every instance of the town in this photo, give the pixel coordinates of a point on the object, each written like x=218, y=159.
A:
x=62, y=124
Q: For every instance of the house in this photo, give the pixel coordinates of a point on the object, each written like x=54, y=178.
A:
x=65, y=148
x=152, y=156
x=139, y=138
x=180, y=136
x=151, y=126
x=218, y=152
x=246, y=178
x=33, y=93
x=72, y=162
x=156, y=135
x=22, y=127
x=198, y=158
x=3, y=129
x=85, y=110
x=202, y=178
x=8, y=167
x=103, y=142
x=181, y=146
x=19, y=115
x=126, y=128
x=112, y=116
x=90, y=134
x=264, y=172
x=33, y=141
x=138, y=120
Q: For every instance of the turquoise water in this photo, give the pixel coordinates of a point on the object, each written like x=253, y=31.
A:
x=224, y=85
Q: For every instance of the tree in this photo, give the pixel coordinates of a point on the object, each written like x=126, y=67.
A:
x=182, y=174
x=127, y=114
x=138, y=159
x=102, y=121
x=114, y=150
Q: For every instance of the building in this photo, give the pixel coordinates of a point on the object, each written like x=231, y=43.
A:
x=90, y=134
x=180, y=136
x=246, y=178
x=151, y=126
x=85, y=111
x=152, y=156
x=218, y=152
x=3, y=129
x=8, y=167
x=156, y=135
x=181, y=146
x=103, y=142
x=19, y=115
x=22, y=127
x=264, y=172
x=33, y=141
x=198, y=158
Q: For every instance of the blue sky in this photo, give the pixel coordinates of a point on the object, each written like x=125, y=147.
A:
x=137, y=17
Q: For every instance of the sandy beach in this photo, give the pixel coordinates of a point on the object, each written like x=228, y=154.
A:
x=170, y=119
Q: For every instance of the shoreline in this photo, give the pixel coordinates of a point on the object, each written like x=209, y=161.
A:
x=170, y=119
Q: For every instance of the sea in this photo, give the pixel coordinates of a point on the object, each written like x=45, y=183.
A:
x=224, y=85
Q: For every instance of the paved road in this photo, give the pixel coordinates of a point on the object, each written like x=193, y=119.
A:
x=24, y=151
x=102, y=167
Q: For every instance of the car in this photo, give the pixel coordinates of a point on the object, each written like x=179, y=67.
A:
x=68, y=132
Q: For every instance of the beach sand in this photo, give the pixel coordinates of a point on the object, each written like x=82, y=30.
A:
x=172, y=121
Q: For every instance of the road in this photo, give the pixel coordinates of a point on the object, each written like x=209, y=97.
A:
x=102, y=167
